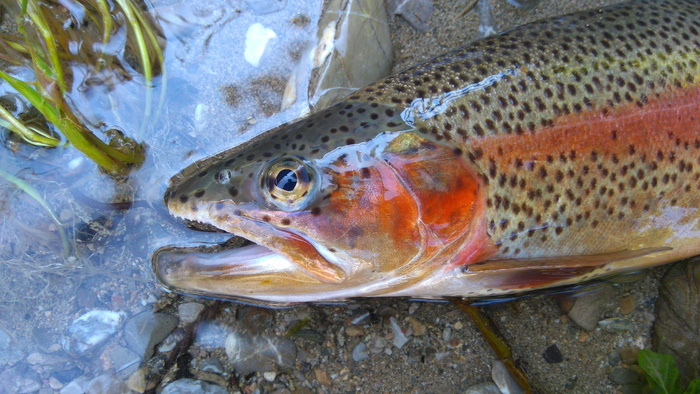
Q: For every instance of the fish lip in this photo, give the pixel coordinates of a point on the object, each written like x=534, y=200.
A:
x=205, y=212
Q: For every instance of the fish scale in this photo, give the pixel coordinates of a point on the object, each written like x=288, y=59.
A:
x=588, y=62
x=552, y=153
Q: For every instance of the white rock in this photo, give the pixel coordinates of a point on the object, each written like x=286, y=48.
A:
x=256, y=40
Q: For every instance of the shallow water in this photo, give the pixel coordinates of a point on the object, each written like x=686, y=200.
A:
x=215, y=96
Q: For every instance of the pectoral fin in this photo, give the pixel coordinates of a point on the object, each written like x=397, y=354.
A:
x=538, y=272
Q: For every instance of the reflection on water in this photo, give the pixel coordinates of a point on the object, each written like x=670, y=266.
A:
x=95, y=320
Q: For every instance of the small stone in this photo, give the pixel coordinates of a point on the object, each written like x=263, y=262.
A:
x=184, y=386
x=629, y=355
x=189, y=311
x=120, y=359
x=270, y=376
x=583, y=337
x=458, y=326
x=627, y=305
x=503, y=379
x=359, y=353
x=553, y=355
x=91, y=330
x=106, y=384
x=615, y=325
x=589, y=307
x=137, y=380
x=322, y=377
x=447, y=334
x=258, y=353
x=353, y=331
x=145, y=330
x=212, y=364
x=76, y=386
x=419, y=328
x=483, y=388
x=624, y=376
x=20, y=378
x=413, y=308
x=55, y=383
x=400, y=338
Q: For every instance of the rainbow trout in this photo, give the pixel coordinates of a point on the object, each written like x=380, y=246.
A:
x=556, y=152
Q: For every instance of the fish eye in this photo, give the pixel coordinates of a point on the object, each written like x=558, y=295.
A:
x=288, y=183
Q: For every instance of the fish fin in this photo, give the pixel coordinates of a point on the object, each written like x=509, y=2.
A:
x=536, y=272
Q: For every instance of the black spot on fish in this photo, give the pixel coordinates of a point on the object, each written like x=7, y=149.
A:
x=199, y=193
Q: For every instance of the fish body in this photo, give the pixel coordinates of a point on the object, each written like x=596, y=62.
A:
x=556, y=152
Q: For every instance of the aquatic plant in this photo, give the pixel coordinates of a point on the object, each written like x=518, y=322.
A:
x=663, y=375
x=104, y=42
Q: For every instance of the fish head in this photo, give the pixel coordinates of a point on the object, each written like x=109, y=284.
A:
x=345, y=216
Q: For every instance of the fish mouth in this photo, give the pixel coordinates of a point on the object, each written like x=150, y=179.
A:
x=259, y=260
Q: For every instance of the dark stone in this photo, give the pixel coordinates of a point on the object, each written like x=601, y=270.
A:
x=552, y=355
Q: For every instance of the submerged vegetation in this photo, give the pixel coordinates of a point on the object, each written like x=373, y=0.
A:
x=68, y=48
x=663, y=375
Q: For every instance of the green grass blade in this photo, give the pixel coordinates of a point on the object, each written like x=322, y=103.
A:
x=33, y=193
x=31, y=135
x=42, y=26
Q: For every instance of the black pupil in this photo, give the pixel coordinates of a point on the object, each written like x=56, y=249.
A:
x=286, y=180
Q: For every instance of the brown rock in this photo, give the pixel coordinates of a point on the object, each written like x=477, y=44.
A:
x=589, y=307
x=627, y=305
x=323, y=377
x=419, y=328
x=629, y=355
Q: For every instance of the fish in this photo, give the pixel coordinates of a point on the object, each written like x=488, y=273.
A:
x=554, y=153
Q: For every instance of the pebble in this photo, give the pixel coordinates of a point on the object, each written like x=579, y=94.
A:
x=145, y=330
x=419, y=328
x=270, y=376
x=189, y=311
x=212, y=364
x=20, y=378
x=186, y=386
x=629, y=355
x=359, y=353
x=583, y=337
x=615, y=325
x=76, y=386
x=589, y=307
x=91, y=330
x=121, y=359
x=627, y=305
x=55, y=383
x=503, y=379
x=137, y=380
x=9, y=354
x=624, y=376
x=106, y=384
x=458, y=326
x=400, y=339
x=322, y=377
x=413, y=308
x=447, y=334
x=211, y=335
x=258, y=353
x=353, y=331
x=552, y=354
x=483, y=388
